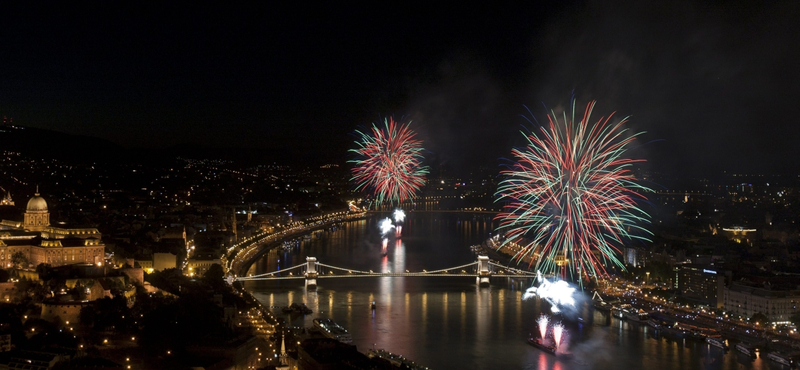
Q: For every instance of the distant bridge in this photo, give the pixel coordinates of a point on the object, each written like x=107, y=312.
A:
x=483, y=269
x=243, y=254
x=483, y=212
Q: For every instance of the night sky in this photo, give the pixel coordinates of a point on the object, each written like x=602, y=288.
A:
x=716, y=85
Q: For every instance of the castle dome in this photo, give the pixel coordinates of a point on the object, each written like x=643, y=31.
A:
x=37, y=204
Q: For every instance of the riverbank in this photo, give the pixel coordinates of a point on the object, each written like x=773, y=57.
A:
x=240, y=257
x=729, y=329
x=503, y=254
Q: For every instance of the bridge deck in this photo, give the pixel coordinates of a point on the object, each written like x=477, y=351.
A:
x=331, y=276
x=482, y=268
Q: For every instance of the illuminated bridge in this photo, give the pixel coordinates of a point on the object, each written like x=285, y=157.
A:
x=482, y=269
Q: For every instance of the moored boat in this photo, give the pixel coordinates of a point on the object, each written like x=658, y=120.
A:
x=780, y=358
x=331, y=329
x=397, y=361
x=674, y=330
x=601, y=306
x=717, y=342
x=637, y=315
x=746, y=349
x=619, y=311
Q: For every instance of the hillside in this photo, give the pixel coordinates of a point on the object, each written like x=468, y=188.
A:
x=43, y=143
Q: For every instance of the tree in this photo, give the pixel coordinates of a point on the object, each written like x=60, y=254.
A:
x=112, y=314
x=760, y=318
x=31, y=290
x=19, y=260
x=87, y=316
x=171, y=280
x=215, y=278
x=191, y=319
x=78, y=292
x=45, y=271
x=11, y=322
x=48, y=335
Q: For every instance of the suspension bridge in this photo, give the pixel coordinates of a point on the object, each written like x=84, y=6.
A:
x=483, y=270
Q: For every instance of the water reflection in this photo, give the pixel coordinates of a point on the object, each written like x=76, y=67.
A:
x=451, y=323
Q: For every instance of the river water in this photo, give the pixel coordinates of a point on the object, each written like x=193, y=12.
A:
x=450, y=322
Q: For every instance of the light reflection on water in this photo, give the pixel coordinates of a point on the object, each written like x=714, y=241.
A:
x=450, y=323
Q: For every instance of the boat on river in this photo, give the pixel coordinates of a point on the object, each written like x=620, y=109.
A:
x=780, y=358
x=717, y=342
x=298, y=308
x=397, y=361
x=619, y=311
x=538, y=343
x=627, y=312
x=301, y=308
x=700, y=332
x=673, y=329
x=636, y=315
x=331, y=329
x=746, y=349
x=602, y=305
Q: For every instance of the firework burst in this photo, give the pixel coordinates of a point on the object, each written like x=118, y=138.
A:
x=385, y=226
x=570, y=197
x=399, y=216
x=389, y=162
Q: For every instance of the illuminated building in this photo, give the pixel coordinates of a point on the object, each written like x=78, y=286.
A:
x=631, y=257
x=739, y=234
x=39, y=242
x=6, y=201
x=198, y=264
x=163, y=261
x=777, y=305
x=701, y=284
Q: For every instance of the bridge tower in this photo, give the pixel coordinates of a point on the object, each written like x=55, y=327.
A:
x=483, y=270
x=311, y=272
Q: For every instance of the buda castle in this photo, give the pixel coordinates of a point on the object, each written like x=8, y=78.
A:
x=40, y=242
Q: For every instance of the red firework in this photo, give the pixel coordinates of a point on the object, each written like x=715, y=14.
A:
x=571, y=197
x=389, y=162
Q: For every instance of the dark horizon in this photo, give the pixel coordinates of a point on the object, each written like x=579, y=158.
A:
x=710, y=83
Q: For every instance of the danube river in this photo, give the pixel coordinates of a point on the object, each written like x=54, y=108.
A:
x=451, y=323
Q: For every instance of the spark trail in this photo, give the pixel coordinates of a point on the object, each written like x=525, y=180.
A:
x=558, y=329
x=389, y=162
x=570, y=196
x=543, y=321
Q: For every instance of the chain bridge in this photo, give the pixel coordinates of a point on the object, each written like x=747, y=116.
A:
x=483, y=269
